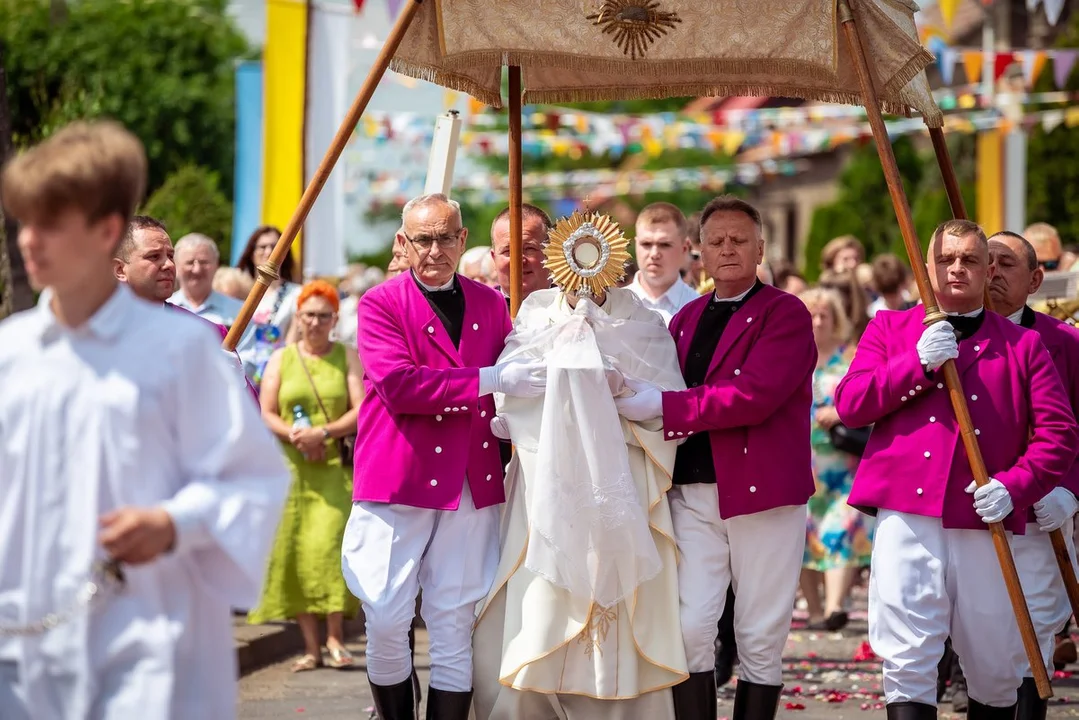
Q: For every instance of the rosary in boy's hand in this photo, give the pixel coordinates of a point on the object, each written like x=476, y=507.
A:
x=137, y=535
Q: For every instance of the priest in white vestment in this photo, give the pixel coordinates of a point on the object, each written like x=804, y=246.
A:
x=582, y=621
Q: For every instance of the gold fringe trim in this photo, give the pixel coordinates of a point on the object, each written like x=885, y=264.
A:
x=450, y=75
x=447, y=79
x=648, y=68
x=933, y=117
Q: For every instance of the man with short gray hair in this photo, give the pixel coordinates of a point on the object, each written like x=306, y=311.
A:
x=427, y=477
x=197, y=259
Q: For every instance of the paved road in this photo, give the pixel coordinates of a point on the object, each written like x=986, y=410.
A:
x=822, y=677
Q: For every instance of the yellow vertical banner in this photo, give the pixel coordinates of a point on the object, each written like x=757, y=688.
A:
x=284, y=62
x=990, y=178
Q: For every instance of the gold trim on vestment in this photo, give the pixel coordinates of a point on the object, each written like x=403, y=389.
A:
x=631, y=606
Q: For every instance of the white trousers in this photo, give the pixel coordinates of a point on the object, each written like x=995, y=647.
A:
x=390, y=553
x=761, y=555
x=1043, y=587
x=928, y=583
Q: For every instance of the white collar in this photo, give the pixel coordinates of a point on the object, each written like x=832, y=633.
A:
x=106, y=323
x=1016, y=316
x=737, y=297
x=430, y=288
x=972, y=313
x=668, y=294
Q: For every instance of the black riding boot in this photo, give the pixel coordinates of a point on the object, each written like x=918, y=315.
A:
x=448, y=705
x=755, y=702
x=394, y=702
x=726, y=644
x=977, y=711
x=911, y=711
x=695, y=697
x=1031, y=706
x=960, y=701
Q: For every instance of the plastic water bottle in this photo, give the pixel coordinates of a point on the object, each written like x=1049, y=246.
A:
x=300, y=418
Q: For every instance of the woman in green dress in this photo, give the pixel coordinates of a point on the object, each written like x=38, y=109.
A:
x=311, y=391
x=838, y=537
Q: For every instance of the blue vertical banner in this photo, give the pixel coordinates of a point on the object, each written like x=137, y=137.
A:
x=247, y=192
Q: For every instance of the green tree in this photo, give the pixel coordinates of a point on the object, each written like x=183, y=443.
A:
x=190, y=200
x=1052, y=175
x=164, y=68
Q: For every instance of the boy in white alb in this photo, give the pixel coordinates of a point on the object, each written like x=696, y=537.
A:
x=126, y=449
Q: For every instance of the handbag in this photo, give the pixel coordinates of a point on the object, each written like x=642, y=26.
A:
x=849, y=440
x=345, y=445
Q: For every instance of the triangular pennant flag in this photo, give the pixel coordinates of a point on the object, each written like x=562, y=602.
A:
x=1052, y=119
x=358, y=4
x=1063, y=62
x=947, y=65
x=732, y=141
x=1001, y=62
x=394, y=7
x=947, y=12
x=972, y=63
x=1033, y=64
x=1053, y=8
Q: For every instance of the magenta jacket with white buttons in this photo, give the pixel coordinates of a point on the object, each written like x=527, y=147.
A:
x=755, y=403
x=422, y=426
x=915, y=462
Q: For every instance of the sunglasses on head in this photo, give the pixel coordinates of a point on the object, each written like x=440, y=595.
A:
x=1049, y=264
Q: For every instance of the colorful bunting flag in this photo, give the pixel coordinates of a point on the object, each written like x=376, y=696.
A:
x=1063, y=62
x=1033, y=64
x=1053, y=8
x=972, y=64
x=947, y=11
x=947, y=65
x=1002, y=62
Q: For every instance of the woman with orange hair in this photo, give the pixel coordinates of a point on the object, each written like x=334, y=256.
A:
x=311, y=391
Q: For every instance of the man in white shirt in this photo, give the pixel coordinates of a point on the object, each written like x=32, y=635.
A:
x=662, y=247
x=197, y=259
x=139, y=490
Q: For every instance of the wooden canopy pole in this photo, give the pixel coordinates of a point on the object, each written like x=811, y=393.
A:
x=934, y=315
x=270, y=272
x=959, y=211
x=516, y=194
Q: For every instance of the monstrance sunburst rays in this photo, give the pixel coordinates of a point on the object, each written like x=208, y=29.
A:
x=635, y=24
x=586, y=253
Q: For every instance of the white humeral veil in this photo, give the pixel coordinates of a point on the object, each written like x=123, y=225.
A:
x=584, y=609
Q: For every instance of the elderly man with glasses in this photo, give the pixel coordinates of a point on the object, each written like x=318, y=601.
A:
x=428, y=477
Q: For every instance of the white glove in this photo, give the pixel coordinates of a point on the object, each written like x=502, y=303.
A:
x=645, y=403
x=499, y=428
x=992, y=501
x=520, y=378
x=1053, y=510
x=937, y=345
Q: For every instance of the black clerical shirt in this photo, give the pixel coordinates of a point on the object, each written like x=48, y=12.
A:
x=1028, y=318
x=449, y=306
x=966, y=326
x=693, y=462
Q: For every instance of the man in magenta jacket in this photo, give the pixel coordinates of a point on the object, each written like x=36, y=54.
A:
x=742, y=475
x=427, y=474
x=934, y=569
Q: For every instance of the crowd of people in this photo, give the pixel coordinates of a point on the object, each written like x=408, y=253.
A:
x=784, y=441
